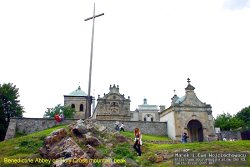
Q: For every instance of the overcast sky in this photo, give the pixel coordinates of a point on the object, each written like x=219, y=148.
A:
x=147, y=47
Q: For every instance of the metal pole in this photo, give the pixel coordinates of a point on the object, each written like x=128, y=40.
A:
x=88, y=112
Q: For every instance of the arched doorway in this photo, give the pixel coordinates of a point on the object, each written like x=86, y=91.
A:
x=195, y=131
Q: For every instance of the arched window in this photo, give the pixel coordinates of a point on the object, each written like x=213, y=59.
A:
x=149, y=118
x=73, y=106
x=81, y=107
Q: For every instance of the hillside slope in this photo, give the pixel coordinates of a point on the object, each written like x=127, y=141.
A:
x=39, y=149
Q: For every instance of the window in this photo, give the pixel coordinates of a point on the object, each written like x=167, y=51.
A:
x=152, y=119
x=114, y=104
x=81, y=107
x=73, y=106
x=145, y=119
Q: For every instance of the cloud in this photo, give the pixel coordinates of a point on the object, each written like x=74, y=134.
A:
x=236, y=4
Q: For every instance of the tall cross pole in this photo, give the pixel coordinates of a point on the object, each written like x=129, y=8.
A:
x=88, y=112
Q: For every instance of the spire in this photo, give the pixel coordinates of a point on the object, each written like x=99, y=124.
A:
x=144, y=101
x=189, y=87
x=174, y=98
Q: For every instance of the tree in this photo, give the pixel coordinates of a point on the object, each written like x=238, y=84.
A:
x=9, y=106
x=223, y=121
x=235, y=123
x=67, y=111
x=244, y=115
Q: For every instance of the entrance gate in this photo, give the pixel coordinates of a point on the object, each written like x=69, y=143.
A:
x=195, y=131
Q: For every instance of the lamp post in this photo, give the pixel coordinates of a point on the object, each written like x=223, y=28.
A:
x=89, y=98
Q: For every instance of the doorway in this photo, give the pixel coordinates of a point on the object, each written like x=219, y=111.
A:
x=195, y=131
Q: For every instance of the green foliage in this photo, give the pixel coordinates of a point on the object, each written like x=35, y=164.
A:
x=223, y=121
x=123, y=151
x=236, y=123
x=228, y=122
x=67, y=111
x=9, y=106
x=244, y=115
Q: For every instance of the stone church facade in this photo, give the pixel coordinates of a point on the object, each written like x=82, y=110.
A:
x=112, y=106
x=146, y=112
x=189, y=114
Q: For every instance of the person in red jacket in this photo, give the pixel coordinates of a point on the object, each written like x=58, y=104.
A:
x=57, y=118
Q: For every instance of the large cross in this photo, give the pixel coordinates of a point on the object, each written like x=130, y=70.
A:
x=88, y=112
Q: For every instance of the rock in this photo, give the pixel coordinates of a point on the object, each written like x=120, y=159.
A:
x=156, y=158
x=121, y=138
x=90, y=151
x=109, y=145
x=55, y=137
x=43, y=152
x=93, y=141
x=130, y=162
x=110, y=163
x=159, y=159
x=100, y=128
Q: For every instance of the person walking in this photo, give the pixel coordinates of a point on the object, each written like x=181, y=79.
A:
x=122, y=127
x=117, y=125
x=138, y=142
x=184, y=137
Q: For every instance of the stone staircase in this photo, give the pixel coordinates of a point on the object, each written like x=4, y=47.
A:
x=11, y=130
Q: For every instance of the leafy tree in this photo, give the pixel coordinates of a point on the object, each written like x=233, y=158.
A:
x=9, y=106
x=223, y=121
x=235, y=123
x=67, y=111
x=244, y=115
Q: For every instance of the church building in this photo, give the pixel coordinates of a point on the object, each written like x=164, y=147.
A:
x=78, y=101
x=188, y=114
x=145, y=112
x=112, y=106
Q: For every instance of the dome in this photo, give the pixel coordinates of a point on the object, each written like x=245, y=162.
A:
x=78, y=92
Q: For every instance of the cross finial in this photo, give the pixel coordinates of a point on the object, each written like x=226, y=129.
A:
x=174, y=91
x=188, y=80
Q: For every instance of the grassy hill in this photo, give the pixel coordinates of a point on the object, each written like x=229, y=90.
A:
x=26, y=148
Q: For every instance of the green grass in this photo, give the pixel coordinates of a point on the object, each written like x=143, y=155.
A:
x=147, y=137
x=27, y=147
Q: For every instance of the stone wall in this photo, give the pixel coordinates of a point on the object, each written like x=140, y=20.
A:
x=30, y=125
x=236, y=135
x=154, y=128
x=11, y=130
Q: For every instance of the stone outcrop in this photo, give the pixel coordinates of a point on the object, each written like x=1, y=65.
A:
x=78, y=145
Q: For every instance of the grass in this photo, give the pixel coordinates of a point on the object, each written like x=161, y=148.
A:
x=146, y=137
x=27, y=147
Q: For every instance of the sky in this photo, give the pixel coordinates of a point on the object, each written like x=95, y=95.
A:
x=147, y=47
